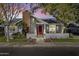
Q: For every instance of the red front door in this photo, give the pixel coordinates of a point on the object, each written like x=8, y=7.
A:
x=40, y=29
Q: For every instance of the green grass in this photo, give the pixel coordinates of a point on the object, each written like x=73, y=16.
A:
x=2, y=38
x=21, y=39
x=65, y=40
x=17, y=38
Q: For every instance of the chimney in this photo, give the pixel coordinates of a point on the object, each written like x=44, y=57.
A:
x=26, y=20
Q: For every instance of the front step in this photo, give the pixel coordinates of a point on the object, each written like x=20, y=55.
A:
x=38, y=40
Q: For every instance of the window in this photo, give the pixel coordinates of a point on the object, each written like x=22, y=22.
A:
x=52, y=28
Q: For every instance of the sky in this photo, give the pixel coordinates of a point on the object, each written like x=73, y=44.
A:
x=38, y=12
x=25, y=7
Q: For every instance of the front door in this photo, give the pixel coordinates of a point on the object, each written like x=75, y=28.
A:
x=40, y=29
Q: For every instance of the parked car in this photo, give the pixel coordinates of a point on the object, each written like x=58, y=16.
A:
x=73, y=28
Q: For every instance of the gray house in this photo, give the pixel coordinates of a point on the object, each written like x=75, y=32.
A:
x=42, y=26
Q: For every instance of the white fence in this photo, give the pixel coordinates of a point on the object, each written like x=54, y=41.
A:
x=57, y=35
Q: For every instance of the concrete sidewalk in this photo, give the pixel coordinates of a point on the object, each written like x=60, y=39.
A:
x=41, y=44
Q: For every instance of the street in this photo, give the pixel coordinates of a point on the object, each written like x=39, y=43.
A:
x=39, y=51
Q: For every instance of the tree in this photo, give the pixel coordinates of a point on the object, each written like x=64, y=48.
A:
x=64, y=12
x=9, y=11
x=76, y=6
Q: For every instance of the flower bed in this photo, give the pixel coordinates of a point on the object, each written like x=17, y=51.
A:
x=33, y=41
x=48, y=40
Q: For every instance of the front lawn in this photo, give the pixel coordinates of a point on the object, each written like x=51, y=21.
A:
x=16, y=38
x=21, y=39
x=65, y=40
x=2, y=38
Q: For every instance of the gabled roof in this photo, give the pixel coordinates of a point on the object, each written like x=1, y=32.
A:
x=15, y=20
x=50, y=21
x=44, y=16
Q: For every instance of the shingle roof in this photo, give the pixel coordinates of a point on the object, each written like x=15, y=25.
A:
x=15, y=20
x=40, y=15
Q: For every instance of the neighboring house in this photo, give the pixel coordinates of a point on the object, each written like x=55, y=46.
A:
x=43, y=25
x=15, y=26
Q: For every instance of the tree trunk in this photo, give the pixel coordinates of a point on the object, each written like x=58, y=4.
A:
x=7, y=33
